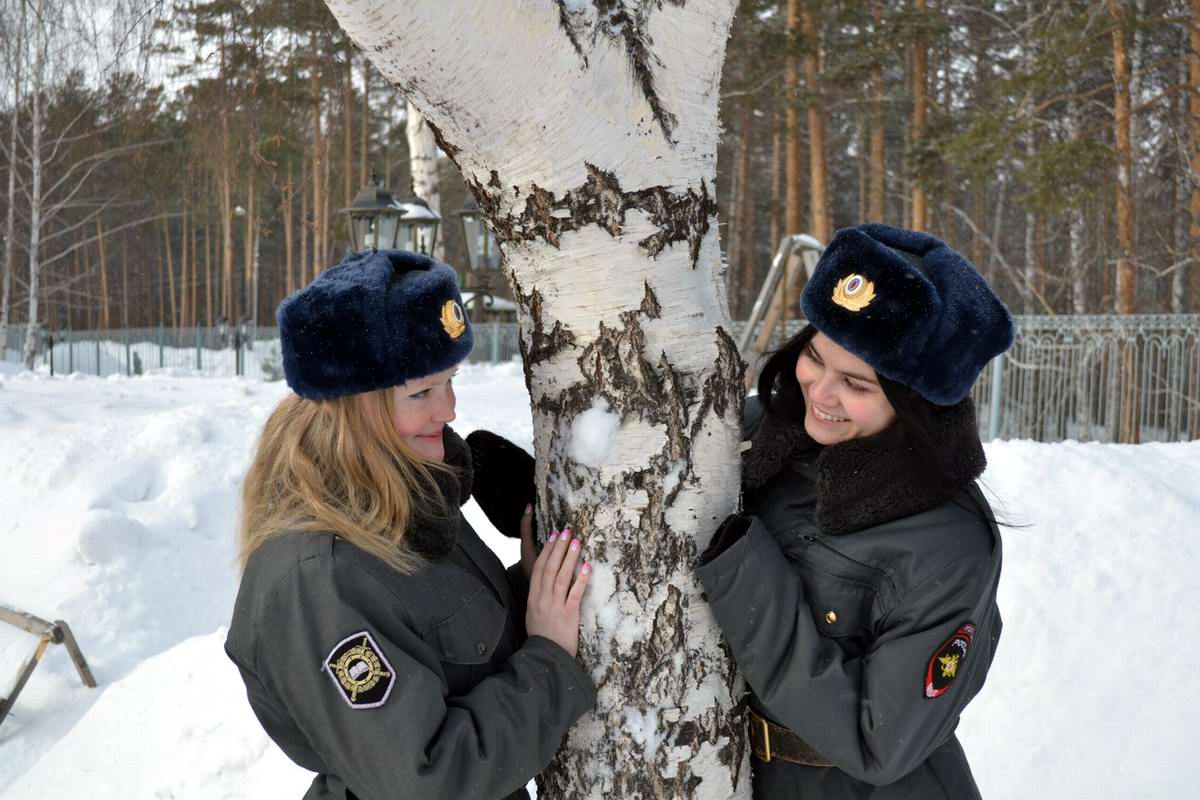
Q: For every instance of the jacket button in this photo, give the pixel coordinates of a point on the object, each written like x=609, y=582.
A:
x=831, y=616
x=481, y=648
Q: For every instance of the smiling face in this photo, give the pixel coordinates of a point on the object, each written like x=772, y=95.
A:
x=842, y=396
x=423, y=406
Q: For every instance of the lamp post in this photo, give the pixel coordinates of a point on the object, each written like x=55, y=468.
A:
x=379, y=222
x=482, y=251
x=482, y=254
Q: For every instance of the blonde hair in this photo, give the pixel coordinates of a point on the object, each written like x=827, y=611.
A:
x=338, y=466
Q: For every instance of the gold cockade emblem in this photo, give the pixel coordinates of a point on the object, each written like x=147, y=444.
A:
x=854, y=292
x=453, y=320
x=949, y=665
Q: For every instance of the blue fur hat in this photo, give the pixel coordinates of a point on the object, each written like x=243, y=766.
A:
x=909, y=306
x=375, y=320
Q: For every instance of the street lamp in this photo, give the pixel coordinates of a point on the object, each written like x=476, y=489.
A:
x=418, y=226
x=373, y=218
x=482, y=252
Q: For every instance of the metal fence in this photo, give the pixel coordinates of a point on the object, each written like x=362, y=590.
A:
x=1099, y=378
x=211, y=352
x=1082, y=377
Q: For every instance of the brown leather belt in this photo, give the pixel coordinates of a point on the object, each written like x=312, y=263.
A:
x=770, y=741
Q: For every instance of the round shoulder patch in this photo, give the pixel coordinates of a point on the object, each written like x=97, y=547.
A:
x=360, y=671
x=947, y=661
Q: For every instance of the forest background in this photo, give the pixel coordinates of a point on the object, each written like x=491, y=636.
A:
x=149, y=148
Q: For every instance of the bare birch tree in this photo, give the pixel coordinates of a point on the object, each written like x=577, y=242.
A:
x=587, y=133
x=13, y=31
x=422, y=159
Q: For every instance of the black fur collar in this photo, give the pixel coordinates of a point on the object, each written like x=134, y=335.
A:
x=869, y=481
x=435, y=525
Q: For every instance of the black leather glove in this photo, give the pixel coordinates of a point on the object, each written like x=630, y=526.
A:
x=503, y=481
x=733, y=528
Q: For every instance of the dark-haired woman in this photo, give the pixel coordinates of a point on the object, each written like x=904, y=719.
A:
x=858, y=590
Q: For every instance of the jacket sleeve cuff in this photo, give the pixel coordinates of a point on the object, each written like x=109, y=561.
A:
x=585, y=687
x=752, y=551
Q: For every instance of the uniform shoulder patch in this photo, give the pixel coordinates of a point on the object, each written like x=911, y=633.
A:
x=360, y=671
x=947, y=661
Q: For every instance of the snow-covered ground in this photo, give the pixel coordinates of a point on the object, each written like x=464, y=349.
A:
x=117, y=505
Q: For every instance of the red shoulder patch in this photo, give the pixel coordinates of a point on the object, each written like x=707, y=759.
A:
x=947, y=661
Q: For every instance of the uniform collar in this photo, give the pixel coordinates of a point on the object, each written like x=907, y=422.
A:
x=434, y=529
x=869, y=481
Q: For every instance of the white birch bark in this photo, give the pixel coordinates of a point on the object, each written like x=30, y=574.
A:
x=35, y=191
x=15, y=60
x=422, y=161
x=1182, y=194
x=588, y=132
x=1078, y=228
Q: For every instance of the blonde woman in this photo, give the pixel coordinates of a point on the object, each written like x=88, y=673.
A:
x=383, y=646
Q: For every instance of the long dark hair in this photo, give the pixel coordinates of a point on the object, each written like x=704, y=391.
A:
x=779, y=392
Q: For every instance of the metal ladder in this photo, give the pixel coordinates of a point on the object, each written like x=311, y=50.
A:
x=779, y=291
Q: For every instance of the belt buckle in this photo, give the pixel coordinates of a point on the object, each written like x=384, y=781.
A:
x=766, y=734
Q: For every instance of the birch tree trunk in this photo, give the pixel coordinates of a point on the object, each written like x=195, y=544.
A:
x=10, y=221
x=348, y=135
x=124, y=281
x=36, y=167
x=366, y=124
x=422, y=161
x=597, y=178
x=1029, y=279
x=105, y=320
x=1075, y=266
x=227, y=297
x=318, y=163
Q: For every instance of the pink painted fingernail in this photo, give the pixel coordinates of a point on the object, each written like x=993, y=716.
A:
x=566, y=534
x=587, y=567
x=528, y=508
x=574, y=545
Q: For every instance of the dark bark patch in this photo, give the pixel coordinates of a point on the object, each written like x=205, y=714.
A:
x=600, y=201
x=723, y=386
x=543, y=344
x=564, y=22
x=450, y=150
x=650, y=306
x=617, y=22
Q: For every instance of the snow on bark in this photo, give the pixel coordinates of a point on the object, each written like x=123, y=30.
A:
x=587, y=132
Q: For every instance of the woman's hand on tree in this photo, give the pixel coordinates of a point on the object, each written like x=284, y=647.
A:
x=555, y=592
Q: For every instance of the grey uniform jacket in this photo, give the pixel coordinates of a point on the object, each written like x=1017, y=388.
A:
x=401, y=686
x=861, y=608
